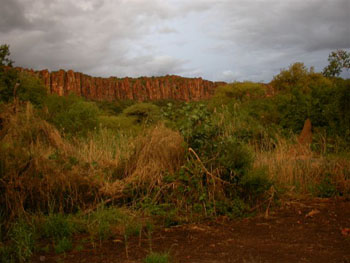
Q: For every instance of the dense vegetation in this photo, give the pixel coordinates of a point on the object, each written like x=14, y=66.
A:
x=70, y=166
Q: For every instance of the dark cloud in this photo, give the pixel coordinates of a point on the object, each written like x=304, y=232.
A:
x=12, y=16
x=222, y=39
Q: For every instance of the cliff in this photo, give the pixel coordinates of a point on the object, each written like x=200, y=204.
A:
x=140, y=89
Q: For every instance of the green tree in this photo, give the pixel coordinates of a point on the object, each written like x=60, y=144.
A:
x=338, y=60
x=296, y=76
x=4, y=54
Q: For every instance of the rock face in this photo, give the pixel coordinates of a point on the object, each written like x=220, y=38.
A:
x=141, y=89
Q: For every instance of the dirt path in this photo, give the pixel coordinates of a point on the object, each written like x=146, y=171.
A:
x=289, y=234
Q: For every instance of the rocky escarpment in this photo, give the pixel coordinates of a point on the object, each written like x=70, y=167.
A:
x=141, y=89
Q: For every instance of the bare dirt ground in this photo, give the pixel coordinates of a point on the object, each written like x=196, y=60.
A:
x=298, y=231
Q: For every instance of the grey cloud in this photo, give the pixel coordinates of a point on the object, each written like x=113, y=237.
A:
x=222, y=39
x=12, y=16
x=311, y=25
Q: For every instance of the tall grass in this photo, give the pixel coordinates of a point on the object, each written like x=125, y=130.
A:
x=297, y=168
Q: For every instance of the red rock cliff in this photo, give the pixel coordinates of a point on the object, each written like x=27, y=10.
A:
x=141, y=89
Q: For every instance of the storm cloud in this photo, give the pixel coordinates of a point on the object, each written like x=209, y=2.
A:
x=218, y=40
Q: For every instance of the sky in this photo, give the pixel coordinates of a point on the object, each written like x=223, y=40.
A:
x=219, y=40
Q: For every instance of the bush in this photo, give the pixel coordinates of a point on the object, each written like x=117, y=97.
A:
x=58, y=226
x=254, y=185
x=101, y=221
x=22, y=236
x=24, y=86
x=235, y=160
x=143, y=113
x=237, y=92
x=72, y=114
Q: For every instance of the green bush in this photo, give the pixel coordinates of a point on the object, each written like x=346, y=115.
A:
x=22, y=237
x=58, y=226
x=254, y=185
x=101, y=221
x=237, y=92
x=114, y=107
x=235, y=160
x=72, y=114
x=143, y=113
x=24, y=86
x=326, y=188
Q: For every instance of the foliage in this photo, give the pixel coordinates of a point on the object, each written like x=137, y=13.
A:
x=63, y=245
x=72, y=114
x=58, y=226
x=194, y=122
x=143, y=113
x=254, y=185
x=237, y=92
x=338, y=60
x=21, y=85
x=4, y=54
x=114, y=107
x=100, y=222
x=326, y=188
x=22, y=236
x=235, y=160
x=296, y=76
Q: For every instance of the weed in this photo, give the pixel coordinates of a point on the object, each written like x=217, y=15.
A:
x=63, y=245
x=326, y=188
x=22, y=236
x=254, y=185
x=157, y=258
x=100, y=222
x=58, y=227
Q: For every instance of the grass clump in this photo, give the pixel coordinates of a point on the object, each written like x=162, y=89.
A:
x=157, y=258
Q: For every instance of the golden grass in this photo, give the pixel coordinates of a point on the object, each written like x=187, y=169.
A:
x=157, y=152
x=297, y=168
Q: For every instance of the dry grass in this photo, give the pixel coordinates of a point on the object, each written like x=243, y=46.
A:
x=156, y=153
x=36, y=169
x=296, y=167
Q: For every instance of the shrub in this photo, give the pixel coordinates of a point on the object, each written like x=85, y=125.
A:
x=100, y=222
x=237, y=92
x=235, y=160
x=72, y=114
x=326, y=188
x=58, y=226
x=254, y=185
x=22, y=236
x=24, y=86
x=143, y=113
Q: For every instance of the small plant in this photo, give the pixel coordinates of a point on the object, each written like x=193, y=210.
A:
x=131, y=228
x=63, y=245
x=157, y=258
x=6, y=254
x=254, y=185
x=58, y=226
x=22, y=236
x=101, y=221
x=326, y=188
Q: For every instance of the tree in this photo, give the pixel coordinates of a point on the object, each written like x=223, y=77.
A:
x=338, y=60
x=4, y=54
